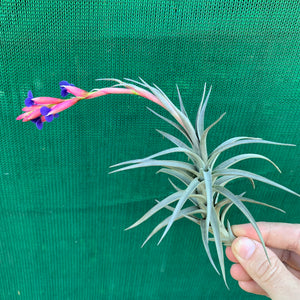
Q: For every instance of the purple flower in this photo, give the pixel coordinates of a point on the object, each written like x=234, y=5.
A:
x=38, y=122
x=45, y=111
x=64, y=92
x=28, y=101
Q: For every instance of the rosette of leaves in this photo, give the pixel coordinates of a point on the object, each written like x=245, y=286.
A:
x=205, y=199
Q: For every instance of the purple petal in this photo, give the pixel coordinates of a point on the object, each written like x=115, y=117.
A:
x=45, y=110
x=39, y=124
x=28, y=100
x=29, y=94
x=49, y=118
x=64, y=82
x=35, y=120
x=64, y=91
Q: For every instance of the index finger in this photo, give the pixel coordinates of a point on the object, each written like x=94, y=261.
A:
x=276, y=235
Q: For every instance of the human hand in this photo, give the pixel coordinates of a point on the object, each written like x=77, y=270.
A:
x=281, y=279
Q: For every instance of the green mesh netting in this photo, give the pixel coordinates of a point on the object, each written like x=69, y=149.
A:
x=62, y=215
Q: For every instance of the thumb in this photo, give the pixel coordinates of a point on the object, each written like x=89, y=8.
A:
x=274, y=278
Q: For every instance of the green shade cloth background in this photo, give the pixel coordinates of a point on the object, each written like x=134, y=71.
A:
x=62, y=216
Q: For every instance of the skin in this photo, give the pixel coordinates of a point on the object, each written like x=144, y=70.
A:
x=281, y=278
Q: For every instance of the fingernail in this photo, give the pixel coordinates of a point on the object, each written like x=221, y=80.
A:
x=244, y=248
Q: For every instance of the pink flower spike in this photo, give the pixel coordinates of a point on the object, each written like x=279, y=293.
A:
x=107, y=91
x=47, y=100
x=111, y=90
x=75, y=91
x=36, y=113
x=22, y=116
x=63, y=105
x=148, y=95
x=31, y=108
x=26, y=108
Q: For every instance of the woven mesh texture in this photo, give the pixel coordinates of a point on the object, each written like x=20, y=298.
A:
x=62, y=216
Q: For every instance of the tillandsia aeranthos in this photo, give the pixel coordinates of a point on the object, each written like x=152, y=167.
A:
x=205, y=199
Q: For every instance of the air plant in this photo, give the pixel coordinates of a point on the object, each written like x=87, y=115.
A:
x=205, y=199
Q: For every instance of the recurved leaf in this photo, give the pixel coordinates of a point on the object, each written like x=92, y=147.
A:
x=189, y=153
x=161, y=204
x=174, y=140
x=215, y=224
x=161, y=163
x=236, y=172
x=203, y=147
x=214, y=155
x=209, y=198
x=172, y=124
x=179, y=174
x=185, y=195
x=205, y=243
x=201, y=113
x=211, y=218
x=240, y=205
x=233, y=160
x=183, y=213
x=181, y=103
